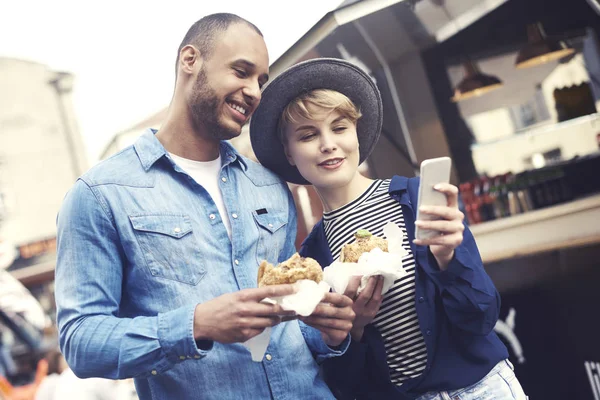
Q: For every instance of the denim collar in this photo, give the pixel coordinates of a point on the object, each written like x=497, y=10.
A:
x=149, y=150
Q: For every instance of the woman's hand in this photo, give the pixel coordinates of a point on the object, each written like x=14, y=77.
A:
x=450, y=225
x=366, y=304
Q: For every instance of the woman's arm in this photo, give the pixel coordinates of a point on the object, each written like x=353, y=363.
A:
x=453, y=263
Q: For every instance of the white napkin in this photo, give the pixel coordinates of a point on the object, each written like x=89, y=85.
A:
x=376, y=262
x=257, y=346
x=308, y=295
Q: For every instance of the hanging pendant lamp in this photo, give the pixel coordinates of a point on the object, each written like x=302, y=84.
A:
x=540, y=49
x=474, y=83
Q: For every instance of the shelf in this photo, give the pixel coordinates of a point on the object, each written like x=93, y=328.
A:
x=572, y=224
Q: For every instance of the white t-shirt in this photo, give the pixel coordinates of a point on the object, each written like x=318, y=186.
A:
x=206, y=174
x=70, y=387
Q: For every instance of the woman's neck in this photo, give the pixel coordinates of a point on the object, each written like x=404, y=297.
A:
x=336, y=197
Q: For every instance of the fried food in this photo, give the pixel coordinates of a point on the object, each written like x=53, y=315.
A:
x=365, y=242
x=294, y=269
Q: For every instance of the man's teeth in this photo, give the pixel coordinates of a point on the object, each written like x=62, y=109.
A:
x=238, y=108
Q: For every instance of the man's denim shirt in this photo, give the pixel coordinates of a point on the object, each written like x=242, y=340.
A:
x=140, y=243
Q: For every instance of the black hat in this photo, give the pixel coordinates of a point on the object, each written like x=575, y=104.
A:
x=319, y=73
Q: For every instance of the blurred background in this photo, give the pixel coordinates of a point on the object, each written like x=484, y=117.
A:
x=510, y=89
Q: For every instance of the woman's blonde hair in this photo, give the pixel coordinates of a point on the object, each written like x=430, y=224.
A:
x=313, y=103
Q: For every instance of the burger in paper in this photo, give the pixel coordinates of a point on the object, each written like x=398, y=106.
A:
x=303, y=272
x=294, y=269
x=368, y=256
x=365, y=242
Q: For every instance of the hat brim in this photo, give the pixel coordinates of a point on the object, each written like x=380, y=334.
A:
x=319, y=73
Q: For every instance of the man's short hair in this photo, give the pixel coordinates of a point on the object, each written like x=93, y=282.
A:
x=311, y=104
x=203, y=33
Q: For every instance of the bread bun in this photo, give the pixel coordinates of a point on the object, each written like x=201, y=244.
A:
x=365, y=242
x=294, y=269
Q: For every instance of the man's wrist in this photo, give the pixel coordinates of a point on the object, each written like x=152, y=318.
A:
x=200, y=334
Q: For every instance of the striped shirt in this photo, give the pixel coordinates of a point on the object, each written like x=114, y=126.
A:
x=397, y=317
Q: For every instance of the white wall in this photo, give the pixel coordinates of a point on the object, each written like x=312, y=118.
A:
x=491, y=125
x=574, y=137
x=36, y=167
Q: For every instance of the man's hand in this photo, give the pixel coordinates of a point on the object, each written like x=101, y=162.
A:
x=333, y=317
x=237, y=317
x=366, y=304
x=450, y=225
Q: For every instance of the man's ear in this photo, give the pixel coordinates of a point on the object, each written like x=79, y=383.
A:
x=189, y=58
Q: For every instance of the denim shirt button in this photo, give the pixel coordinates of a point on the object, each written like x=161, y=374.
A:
x=177, y=230
x=212, y=216
x=224, y=179
x=154, y=372
x=234, y=215
x=268, y=357
x=237, y=262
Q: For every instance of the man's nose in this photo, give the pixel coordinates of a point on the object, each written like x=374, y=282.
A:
x=252, y=92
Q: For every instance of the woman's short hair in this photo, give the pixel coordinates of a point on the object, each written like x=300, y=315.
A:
x=311, y=104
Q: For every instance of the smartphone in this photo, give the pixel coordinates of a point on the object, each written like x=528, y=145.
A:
x=433, y=171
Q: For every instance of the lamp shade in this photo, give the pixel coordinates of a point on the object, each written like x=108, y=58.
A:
x=474, y=83
x=540, y=49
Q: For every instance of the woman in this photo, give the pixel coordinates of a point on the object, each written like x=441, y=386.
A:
x=431, y=336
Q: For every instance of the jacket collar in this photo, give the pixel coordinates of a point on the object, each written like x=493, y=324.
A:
x=398, y=184
x=149, y=150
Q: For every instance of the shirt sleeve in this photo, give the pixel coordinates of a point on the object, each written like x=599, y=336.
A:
x=320, y=350
x=469, y=296
x=97, y=342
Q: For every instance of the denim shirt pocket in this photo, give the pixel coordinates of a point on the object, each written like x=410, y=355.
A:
x=271, y=235
x=169, y=246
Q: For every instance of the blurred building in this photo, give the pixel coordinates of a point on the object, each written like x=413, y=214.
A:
x=41, y=156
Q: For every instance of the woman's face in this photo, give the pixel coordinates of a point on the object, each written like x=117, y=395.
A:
x=325, y=149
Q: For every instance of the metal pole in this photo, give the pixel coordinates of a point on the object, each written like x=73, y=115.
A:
x=394, y=93
x=60, y=90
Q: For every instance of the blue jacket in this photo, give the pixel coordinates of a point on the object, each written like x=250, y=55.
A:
x=457, y=310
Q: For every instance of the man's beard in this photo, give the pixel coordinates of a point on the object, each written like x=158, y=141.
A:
x=205, y=110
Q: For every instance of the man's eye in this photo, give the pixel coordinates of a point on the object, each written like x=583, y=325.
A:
x=241, y=73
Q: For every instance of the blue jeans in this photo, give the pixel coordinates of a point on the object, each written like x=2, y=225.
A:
x=499, y=384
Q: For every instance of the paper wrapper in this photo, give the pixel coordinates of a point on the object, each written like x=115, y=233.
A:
x=308, y=295
x=376, y=262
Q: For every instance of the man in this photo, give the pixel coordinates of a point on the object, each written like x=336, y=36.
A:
x=159, y=246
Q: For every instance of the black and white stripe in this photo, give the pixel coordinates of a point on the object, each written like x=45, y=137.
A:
x=593, y=371
x=397, y=317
